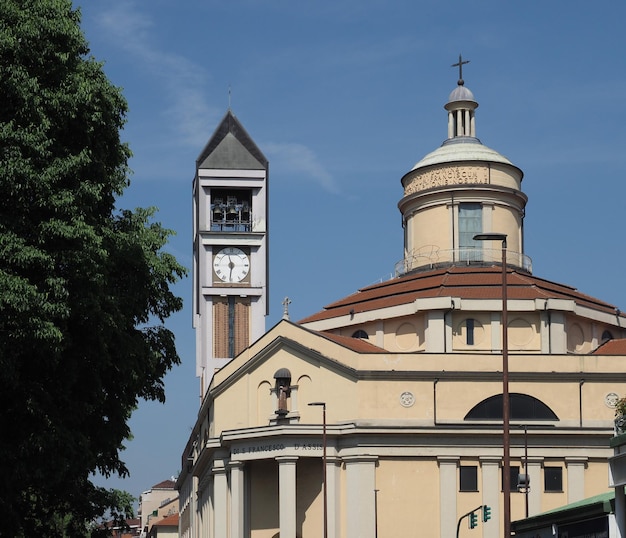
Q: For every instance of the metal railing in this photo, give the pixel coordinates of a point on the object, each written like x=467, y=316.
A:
x=433, y=258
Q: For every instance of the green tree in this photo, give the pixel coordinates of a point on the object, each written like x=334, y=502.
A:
x=84, y=288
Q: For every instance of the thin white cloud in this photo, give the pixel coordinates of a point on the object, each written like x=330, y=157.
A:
x=300, y=161
x=185, y=83
x=182, y=80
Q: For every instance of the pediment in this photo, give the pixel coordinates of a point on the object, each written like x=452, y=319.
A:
x=282, y=351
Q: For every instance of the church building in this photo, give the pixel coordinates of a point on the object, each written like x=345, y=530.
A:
x=382, y=414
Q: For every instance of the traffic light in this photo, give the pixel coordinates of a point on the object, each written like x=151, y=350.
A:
x=473, y=520
x=486, y=512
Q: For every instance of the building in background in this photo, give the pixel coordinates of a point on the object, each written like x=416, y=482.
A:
x=133, y=530
x=397, y=389
x=156, y=503
x=165, y=528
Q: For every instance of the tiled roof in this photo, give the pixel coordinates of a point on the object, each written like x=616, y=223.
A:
x=465, y=282
x=169, y=521
x=166, y=484
x=355, y=344
x=612, y=347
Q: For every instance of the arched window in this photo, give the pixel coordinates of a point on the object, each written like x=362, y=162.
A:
x=360, y=334
x=606, y=336
x=283, y=390
x=522, y=407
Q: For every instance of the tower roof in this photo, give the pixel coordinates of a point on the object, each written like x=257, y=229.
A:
x=231, y=148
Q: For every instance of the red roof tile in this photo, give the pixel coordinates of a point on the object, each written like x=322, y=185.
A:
x=458, y=281
x=169, y=521
x=612, y=347
x=166, y=484
x=355, y=344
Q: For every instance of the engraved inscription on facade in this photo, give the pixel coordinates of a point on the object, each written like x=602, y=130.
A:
x=449, y=175
x=265, y=448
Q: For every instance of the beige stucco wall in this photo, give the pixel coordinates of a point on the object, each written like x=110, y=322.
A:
x=154, y=499
x=408, y=333
x=263, y=480
x=432, y=198
x=249, y=401
x=431, y=231
x=405, y=334
x=408, y=495
x=167, y=532
x=406, y=410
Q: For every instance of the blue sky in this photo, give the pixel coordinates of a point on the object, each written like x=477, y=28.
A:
x=343, y=98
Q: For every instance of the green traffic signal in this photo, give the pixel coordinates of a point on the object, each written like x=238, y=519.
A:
x=486, y=512
x=473, y=520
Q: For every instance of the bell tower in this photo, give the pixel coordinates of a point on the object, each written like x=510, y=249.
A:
x=230, y=267
x=457, y=191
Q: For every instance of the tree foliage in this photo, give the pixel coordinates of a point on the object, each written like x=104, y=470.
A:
x=84, y=288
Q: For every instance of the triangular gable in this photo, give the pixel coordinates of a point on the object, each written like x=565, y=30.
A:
x=231, y=148
x=230, y=154
x=298, y=341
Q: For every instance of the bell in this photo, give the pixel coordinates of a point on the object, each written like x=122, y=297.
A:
x=232, y=214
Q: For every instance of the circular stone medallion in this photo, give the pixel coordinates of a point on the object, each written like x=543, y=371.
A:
x=407, y=399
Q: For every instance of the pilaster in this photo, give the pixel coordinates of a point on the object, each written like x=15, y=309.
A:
x=333, y=468
x=237, y=513
x=361, y=505
x=220, y=500
x=491, y=488
x=287, y=495
x=448, y=488
x=575, y=478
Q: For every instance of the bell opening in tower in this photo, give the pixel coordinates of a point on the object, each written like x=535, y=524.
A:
x=231, y=210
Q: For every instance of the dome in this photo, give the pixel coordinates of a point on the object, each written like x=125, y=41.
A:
x=461, y=93
x=462, y=150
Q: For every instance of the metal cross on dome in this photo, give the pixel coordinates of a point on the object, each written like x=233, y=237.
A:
x=460, y=65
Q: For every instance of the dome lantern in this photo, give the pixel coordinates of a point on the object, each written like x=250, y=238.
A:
x=461, y=106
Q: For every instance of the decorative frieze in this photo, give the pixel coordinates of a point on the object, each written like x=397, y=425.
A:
x=446, y=176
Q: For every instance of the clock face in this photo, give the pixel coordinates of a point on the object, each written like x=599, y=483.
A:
x=231, y=264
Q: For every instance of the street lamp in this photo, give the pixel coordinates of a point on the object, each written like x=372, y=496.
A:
x=325, y=494
x=506, y=441
x=523, y=481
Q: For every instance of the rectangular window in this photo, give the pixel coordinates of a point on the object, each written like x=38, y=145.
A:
x=468, y=478
x=470, y=224
x=513, y=480
x=231, y=325
x=553, y=479
x=469, y=335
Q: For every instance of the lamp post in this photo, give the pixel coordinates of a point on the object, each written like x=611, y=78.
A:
x=376, y=513
x=527, y=488
x=325, y=494
x=506, y=440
